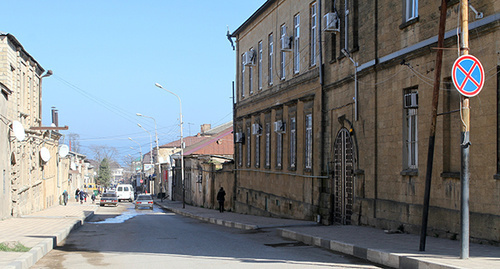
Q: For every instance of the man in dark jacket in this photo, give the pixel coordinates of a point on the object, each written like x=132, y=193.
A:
x=221, y=198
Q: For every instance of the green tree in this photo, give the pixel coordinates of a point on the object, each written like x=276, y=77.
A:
x=104, y=175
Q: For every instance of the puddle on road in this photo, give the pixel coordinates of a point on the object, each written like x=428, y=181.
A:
x=126, y=216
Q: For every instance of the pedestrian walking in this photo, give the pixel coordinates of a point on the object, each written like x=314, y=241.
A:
x=82, y=196
x=93, y=198
x=77, y=194
x=221, y=198
x=65, y=197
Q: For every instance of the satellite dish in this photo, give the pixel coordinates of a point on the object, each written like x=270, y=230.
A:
x=63, y=151
x=18, y=129
x=45, y=154
x=72, y=166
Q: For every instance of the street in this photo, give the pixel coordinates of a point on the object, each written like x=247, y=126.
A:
x=122, y=237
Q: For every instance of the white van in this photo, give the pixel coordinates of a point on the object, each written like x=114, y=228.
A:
x=125, y=192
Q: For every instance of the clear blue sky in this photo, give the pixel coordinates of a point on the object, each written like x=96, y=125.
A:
x=107, y=55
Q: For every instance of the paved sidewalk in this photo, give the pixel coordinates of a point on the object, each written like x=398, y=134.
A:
x=41, y=231
x=392, y=250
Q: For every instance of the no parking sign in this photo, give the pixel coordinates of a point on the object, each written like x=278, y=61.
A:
x=468, y=75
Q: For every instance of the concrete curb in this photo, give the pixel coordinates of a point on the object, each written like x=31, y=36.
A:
x=381, y=257
x=230, y=224
x=41, y=249
x=373, y=255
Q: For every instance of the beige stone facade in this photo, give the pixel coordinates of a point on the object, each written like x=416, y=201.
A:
x=370, y=152
x=30, y=179
x=278, y=111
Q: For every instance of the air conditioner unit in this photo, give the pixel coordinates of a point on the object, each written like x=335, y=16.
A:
x=411, y=100
x=332, y=22
x=286, y=43
x=249, y=57
x=279, y=126
x=256, y=129
x=240, y=137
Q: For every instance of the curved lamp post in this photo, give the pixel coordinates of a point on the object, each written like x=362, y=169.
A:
x=157, y=146
x=140, y=148
x=151, y=190
x=182, y=145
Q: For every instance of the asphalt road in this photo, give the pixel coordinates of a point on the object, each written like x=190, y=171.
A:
x=122, y=237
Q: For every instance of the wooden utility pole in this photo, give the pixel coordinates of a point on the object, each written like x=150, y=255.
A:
x=432, y=135
x=465, y=115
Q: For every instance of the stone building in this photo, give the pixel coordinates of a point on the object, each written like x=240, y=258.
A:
x=368, y=103
x=278, y=111
x=27, y=155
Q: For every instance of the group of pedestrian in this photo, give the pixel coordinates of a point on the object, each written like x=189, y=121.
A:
x=81, y=195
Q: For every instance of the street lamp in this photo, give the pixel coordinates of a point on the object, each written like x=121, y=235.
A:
x=150, y=151
x=182, y=145
x=142, y=165
x=157, y=149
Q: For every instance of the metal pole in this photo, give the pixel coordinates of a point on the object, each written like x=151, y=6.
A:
x=465, y=173
x=432, y=135
x=151, y=190
x=142, y=164
x=157, y=164
x=182, y=146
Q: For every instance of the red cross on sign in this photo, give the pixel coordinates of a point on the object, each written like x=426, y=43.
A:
x=468, y=75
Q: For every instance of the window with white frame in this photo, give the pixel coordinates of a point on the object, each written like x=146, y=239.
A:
x=250, y=78
x=243, y=75
x=313, y=38
x=257, y=151
x=268, y=145
x=282, y=53
x=249, y=149
x=296, y=44
x=411, y=9
x=270, y=59
x=259, y=59
x=293, y=142
x=240, y=154
x=411, y=129
x=279, y=149
x=308, y=142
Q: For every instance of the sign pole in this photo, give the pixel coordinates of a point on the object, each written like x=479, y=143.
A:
x=465, y=115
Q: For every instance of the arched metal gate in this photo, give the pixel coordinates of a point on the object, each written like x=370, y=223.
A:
x=343, y=177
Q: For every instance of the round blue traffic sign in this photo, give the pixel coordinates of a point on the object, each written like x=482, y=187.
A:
x=468, y=75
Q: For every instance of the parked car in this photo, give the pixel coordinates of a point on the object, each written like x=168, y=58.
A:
x=109, y=198
x=144, y=200
x=125, y=192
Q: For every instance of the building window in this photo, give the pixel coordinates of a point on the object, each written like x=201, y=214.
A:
x=296, y=43
x=270, y=59
x=240, y=154
x=259, y=59
x=308, y=142
x=250, y=78
x=293, y=142
x=411, y=129
x=257, y=151
x=411, y=9
x=249, y=149
x=268, y=145
x=243, y=75
x=282, y=52
x=313, y=42
x=279, y=149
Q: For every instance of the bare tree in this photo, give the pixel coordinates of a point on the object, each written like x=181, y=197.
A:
x=74, y=141
x=103, y=151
